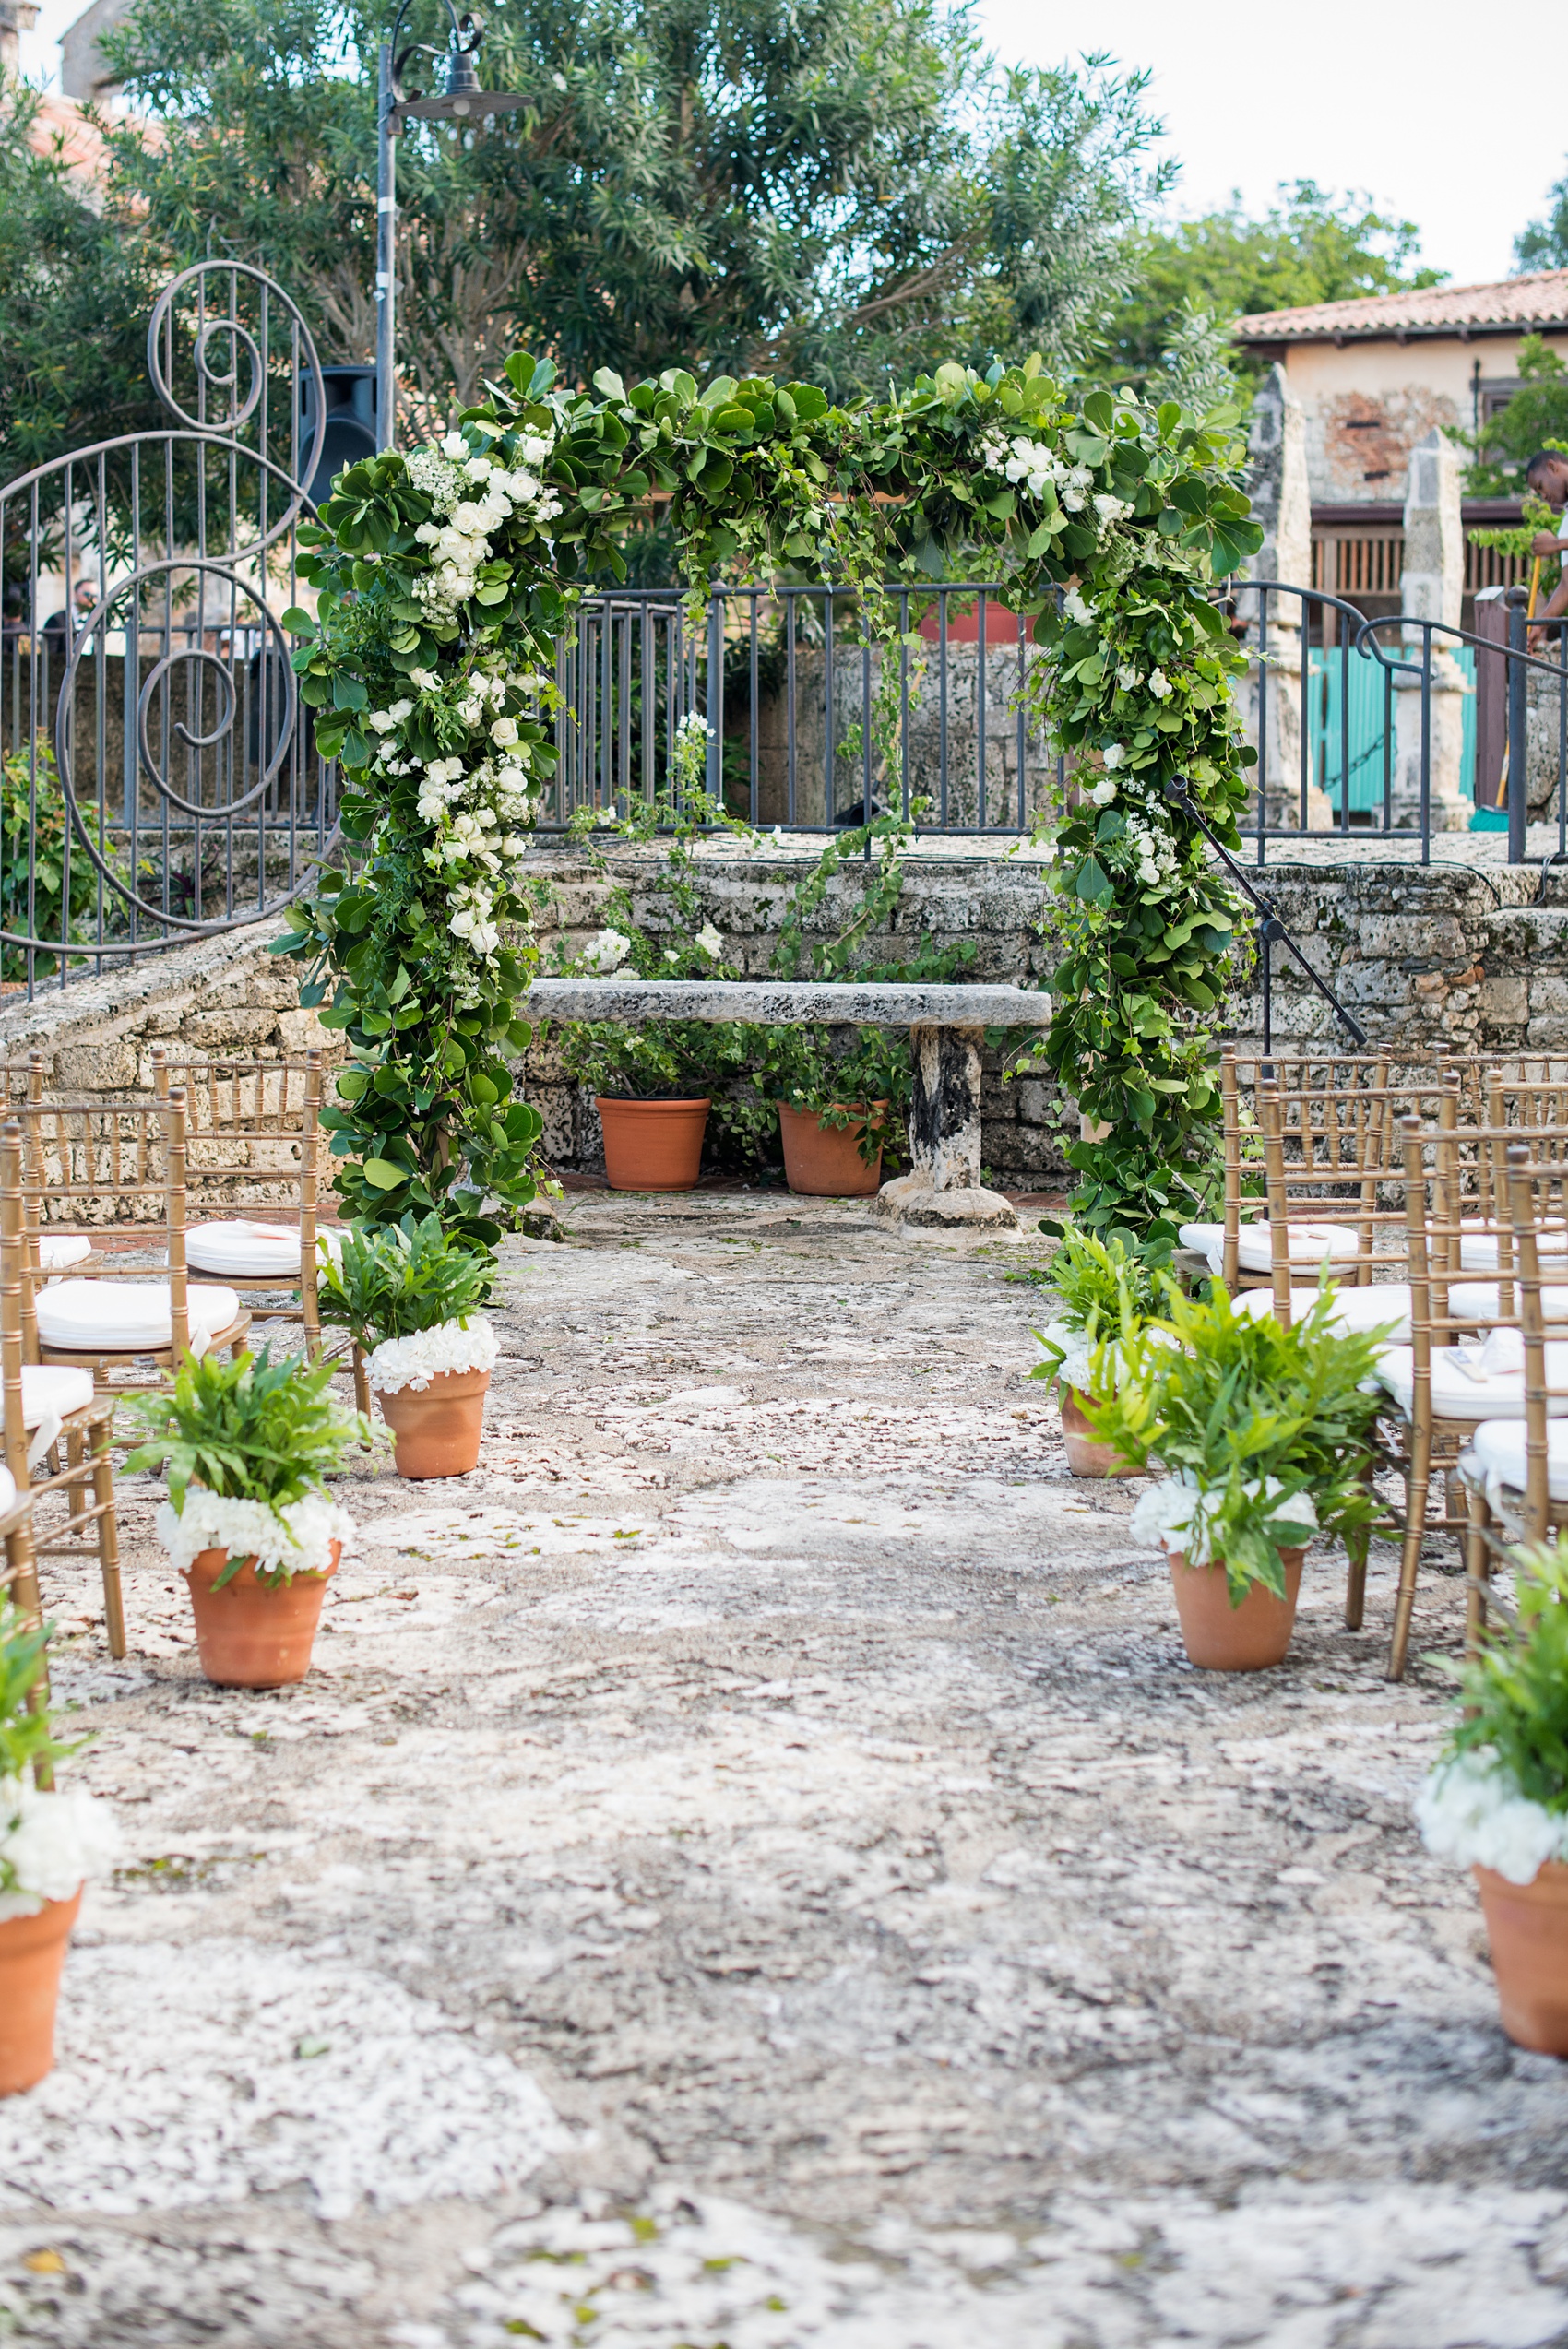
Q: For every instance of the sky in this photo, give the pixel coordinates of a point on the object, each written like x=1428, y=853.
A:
x=1436, y=123
x=1424, y=108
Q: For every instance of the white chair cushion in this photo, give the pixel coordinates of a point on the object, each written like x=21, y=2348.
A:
x=1479, y=1246
x=1353, y=1309
x=51, y=1391
x=128, y=1317
x=1310, y=1245
x=1478, y=1382
x=56, y=1249
x=1494, y=1458
x=253, y=1250
x=1209, y=1239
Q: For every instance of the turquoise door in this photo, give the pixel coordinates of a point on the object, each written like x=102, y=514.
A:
x=1370, y=726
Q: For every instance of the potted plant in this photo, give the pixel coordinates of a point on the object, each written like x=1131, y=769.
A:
x=249, y=1521
x=836, y=1105
x=1106, y=1289
x=1264, y=1433
x=407, y=1293
x=1497, y=1802
x=50, y=1842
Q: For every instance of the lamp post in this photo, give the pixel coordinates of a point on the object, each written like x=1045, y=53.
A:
x=461, y=100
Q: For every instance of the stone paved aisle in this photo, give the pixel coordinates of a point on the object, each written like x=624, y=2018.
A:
x=753, y=1866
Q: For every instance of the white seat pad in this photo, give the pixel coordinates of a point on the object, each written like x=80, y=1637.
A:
x=1476, y=1382
x=1310, y=1245
x=1479, y=1246
x=253, y=1250
x=53, y=1390
x=128, y=1317
x=56, y=1249
x=1353, y=1309
x=1495, y=1456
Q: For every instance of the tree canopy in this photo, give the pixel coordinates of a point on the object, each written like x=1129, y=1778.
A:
x=846, y=186
x=1543, y=244
x=1309, y=246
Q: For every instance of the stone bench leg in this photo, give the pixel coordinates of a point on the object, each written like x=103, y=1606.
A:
x=942, y=1191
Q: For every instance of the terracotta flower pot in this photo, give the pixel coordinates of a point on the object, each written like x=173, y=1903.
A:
x=1087, y=1456
x=824, y=1161
x=249, y=1635
x=32, y=1954
x=1527, y=1927
x=653, y=1145
x=1223, y=1638
x=436, y=1429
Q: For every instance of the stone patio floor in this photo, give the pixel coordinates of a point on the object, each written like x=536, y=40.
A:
x=752, y=1866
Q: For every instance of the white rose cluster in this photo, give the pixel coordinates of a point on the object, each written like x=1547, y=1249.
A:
x=474, y=495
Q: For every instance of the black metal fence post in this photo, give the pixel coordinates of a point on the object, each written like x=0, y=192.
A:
x=1518, y=723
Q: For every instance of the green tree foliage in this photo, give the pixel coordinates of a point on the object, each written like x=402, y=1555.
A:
x=1535, y=417
x=1309, y=246
x=1543, y=244
x=840, y=186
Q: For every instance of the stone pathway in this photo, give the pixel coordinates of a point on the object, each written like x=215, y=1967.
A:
x=753, y=1867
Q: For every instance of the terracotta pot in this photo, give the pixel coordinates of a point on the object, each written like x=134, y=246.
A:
x=1087, y=1456
x=652, y=1145
x=436, y=1429
x=1223, y=1638
x=32, y=1953
x=249, y=1635
x=824, y=1161
x=1527, y=1927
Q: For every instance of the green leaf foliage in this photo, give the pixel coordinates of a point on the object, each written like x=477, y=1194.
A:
x=255, y=1430
x=1515, y=1692
x=394, y=1280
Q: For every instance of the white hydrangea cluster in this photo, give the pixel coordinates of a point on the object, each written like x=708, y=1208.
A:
x=50, y=1842
x=413, y=1361
x=1178, y=1515
x=1470, y=1810
x=297, y=1539
x=1078, y=1350
x=1153, y=852
x=474, y=495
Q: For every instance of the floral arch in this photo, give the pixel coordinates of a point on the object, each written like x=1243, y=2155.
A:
x=445, y=577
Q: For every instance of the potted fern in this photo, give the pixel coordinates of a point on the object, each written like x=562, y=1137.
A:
x=1497, y=1802
x=1105, y=1292
x=50, y=1842
x=1265, y=1434
x=409, y=1293
x=246, y=1447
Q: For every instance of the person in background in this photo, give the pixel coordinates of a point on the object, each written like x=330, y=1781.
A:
x=1547, y=474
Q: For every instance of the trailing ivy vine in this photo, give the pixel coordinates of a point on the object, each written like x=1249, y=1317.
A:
x=443, y=579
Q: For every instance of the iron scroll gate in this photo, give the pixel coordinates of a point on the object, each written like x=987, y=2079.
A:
x=160, y=781
x=1277, y=622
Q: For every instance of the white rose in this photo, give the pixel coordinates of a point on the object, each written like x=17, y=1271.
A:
x=1103, y=792
x=1114, y=755
x=454, y=446
x=503, y=731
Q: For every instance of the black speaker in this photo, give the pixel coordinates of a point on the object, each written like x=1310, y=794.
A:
x=350, y=421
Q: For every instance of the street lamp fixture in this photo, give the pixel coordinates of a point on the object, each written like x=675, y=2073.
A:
x=461, y=100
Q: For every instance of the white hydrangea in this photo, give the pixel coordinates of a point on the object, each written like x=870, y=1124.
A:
x=50, y=1842
x=1470, y=1810
x=400, y=1362
x=298, y=1539
x=1177, y=1512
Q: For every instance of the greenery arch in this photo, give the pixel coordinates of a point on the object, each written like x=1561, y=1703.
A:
x=443, y=578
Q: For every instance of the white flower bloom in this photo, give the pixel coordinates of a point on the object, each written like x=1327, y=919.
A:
x=533, y=448
x=504, y=730
x=1110, y=509
x=1104, y=791
x=1159, y=683
x=1114, y=755
x=455, y=446
x=400, y=1362
x=1175, y=1514
x=1076, y=609
x=50, y=1842
x=479, y=469
x=1470, y=1810
x=606, y=952
x=298, y=1539
x=1128, y=678
x=708, y=939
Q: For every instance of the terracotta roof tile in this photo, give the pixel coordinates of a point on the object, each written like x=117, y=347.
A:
x=1520, y=303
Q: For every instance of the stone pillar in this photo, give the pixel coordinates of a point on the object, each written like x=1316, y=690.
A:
x=1431, y=586
x=1277, y=482
x=942, y=1191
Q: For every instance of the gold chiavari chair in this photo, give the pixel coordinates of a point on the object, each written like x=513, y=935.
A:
x=56, y=1407
x=107, y=1159
x=57, y=1253
x=253, y=1137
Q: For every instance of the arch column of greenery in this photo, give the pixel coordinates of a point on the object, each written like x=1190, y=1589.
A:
x=443, y=578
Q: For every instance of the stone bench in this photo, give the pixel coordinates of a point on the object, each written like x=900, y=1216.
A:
x=942, y=1191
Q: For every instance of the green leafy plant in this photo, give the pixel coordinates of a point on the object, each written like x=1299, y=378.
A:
x=1106, y=1290
x=394, y=1280
x=1515, y=1689
x=27, y=1739
x=255, y=1430
x=35, y=825
x=1270, y=1429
